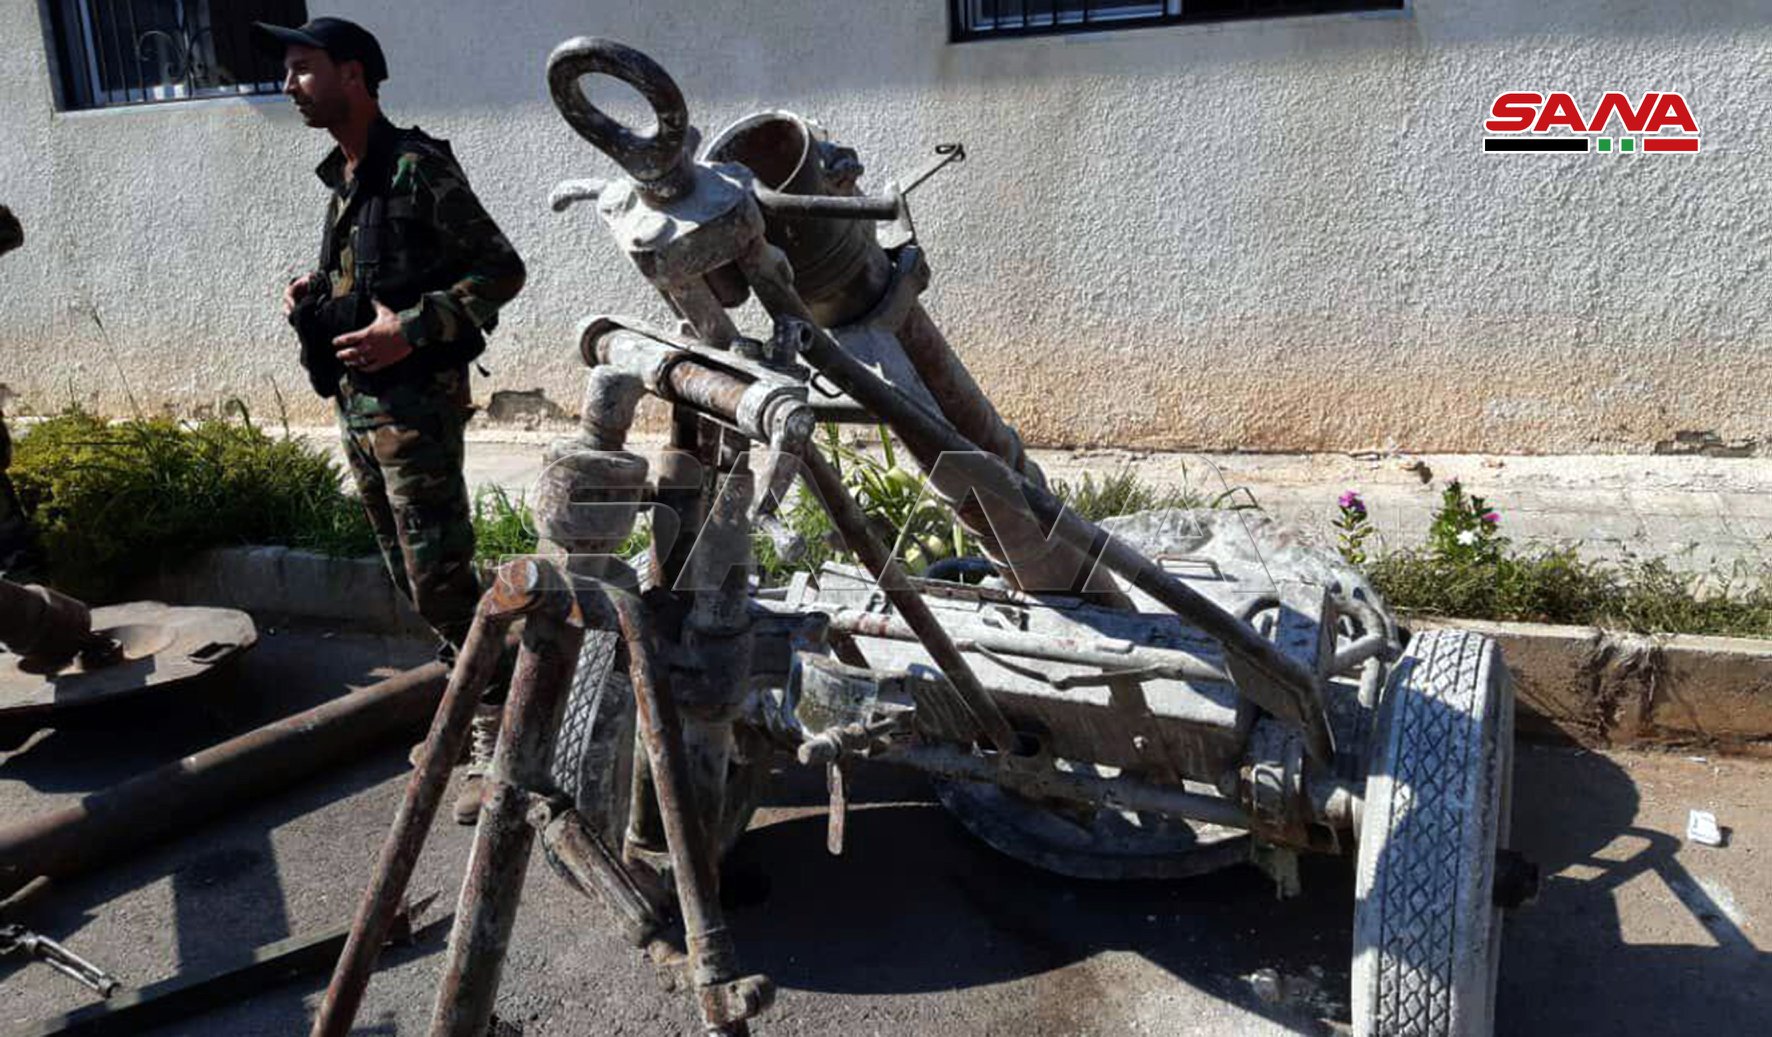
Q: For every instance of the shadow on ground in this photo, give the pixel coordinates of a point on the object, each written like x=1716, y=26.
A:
x=226, y=885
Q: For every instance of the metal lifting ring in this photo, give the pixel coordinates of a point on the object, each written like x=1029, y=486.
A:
x=655, y=159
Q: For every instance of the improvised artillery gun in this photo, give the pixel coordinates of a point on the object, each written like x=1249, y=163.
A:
x=1157, y=696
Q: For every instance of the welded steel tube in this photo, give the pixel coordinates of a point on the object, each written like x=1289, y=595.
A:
x=108, y=825
x=713, y=961
x=1121, y=793
x=1167, y=663
x=928, y=436
x=851, y=523
x=499, y=860
x=962, y=402
x=516, y=591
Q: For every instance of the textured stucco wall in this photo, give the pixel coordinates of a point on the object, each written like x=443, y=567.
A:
x=1266, y=235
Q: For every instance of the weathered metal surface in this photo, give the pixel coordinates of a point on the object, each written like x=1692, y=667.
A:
x=805, y=187
x=654, y=159
x=847, y=516
x=45, y=628
x=135, y=649
x=1038, y=779
x=499, y=860
x=161, y=803
x=585, y=858
x=19, y=942
x=1094, y=717
x=1275, y=681
x=726, y=998
x=196, y=991
x=519, y=588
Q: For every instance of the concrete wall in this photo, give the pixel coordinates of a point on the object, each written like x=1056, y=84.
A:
x=1267, y=235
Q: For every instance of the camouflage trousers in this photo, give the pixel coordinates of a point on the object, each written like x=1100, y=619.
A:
x=409, y=474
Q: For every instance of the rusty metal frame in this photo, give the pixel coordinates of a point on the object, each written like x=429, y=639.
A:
x=709, y=234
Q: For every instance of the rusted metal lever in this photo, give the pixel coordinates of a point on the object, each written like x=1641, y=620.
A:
x=880, y=208
x=17, y=940
x=193, y=992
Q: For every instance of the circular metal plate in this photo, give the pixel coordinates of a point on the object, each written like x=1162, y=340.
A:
x=161, y=645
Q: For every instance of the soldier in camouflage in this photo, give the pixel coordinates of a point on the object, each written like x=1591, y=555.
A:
x=20, y=560
x=442, y=271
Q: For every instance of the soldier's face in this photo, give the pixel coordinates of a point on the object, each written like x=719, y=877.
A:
x=315, y=83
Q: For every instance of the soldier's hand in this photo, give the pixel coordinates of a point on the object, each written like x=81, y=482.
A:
x=372, y=348
x=297, y=288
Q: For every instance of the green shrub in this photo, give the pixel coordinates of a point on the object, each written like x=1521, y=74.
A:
x=1123, y=493
x=111, y=500
x=1467, y=569
x=503, y=526
x=1556, y=585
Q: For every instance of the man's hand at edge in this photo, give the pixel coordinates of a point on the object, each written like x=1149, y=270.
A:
x=381, y=344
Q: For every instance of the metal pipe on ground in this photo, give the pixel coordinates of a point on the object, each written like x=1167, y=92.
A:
x=152, y=807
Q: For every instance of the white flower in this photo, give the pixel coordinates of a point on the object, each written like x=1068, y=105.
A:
x=1468, y=537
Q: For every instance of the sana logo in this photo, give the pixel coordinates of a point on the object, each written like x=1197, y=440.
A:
x=1524, y=120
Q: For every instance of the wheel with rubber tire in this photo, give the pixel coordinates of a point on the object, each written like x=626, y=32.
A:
x=1427, y=932
x=594, y=749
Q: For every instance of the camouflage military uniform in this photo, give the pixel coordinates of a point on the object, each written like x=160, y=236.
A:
x=19, y=557
x=402, y=427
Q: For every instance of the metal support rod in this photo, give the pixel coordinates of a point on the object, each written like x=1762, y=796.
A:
x=1121, y=793
x=827, y=206
x=149, y=808
x=516, y=591
x=1277, y=682
x=191, y=993
x=499, y=860
x=713, y=962
x=1165, y=663
x=851, y=523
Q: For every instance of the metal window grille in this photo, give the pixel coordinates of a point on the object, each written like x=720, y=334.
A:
x=991, y=19
x=110, y=53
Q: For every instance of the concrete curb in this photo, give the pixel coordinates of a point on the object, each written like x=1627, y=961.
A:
x=1599, y=688
x=1611, y=690
x=280, y=581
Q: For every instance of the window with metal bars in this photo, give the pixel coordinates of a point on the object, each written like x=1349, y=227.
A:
x=110, y=53
x=991, y=19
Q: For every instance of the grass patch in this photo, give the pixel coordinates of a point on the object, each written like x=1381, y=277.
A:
x=1123, y=493
x=111, y=500
x=1555, y=585
x=503, y=525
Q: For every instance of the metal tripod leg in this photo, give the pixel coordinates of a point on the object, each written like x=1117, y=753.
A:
x=500, y=857
x=517, y=590
x=725, y=998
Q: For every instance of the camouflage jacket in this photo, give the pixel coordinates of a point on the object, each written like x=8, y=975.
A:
x=446, y=268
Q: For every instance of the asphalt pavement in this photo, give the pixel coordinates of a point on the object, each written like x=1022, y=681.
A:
x=917, y=929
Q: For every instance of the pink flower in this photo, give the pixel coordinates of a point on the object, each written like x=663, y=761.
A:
x=1350, y=501
x=1492, y=517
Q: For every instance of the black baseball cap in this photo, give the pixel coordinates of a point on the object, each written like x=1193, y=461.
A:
x=341, y=40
